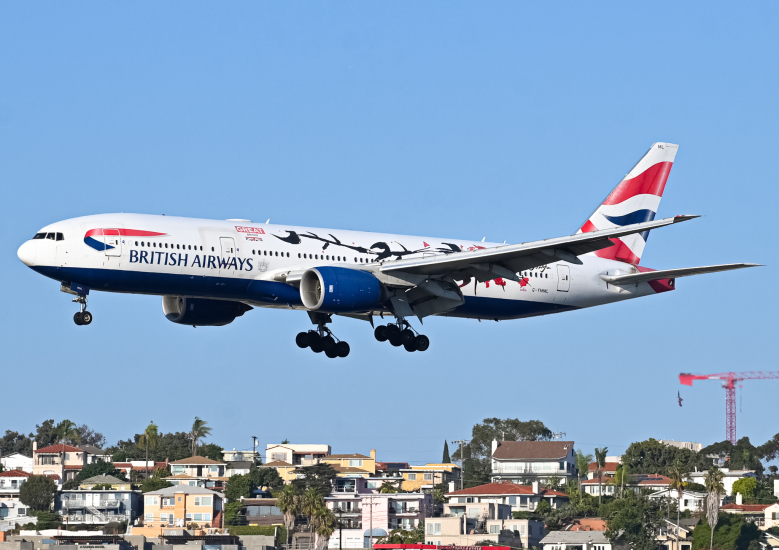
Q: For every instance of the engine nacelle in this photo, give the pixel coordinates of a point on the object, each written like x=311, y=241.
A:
x=201, y=312
x=340, y=290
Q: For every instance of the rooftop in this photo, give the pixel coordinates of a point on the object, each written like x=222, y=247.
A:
x=587, y=524
x=575, y=537
x=15, y=473
x=102, y=479
x=196, y=460
x=746, y=507
x=608, y=467
x=534, y=450
x=186, y=489
x=61, y=448
x=276, y=464
x=355, y=455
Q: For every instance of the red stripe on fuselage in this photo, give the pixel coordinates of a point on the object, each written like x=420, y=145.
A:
x=649, y=182
x=659, y=285
x=124, y=232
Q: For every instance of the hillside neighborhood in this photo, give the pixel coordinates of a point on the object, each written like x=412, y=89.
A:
x=514, y=484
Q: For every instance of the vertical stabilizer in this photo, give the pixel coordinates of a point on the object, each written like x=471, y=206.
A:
x=634, y=200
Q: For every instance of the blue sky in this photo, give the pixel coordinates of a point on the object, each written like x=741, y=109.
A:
x=461, y=119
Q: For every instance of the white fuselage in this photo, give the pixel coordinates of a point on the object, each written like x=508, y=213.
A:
x=241, y=261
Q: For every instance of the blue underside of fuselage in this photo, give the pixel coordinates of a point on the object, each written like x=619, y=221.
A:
x=267, y=292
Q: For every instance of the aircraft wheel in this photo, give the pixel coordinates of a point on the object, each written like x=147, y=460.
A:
x=392, y=331
x=421, y=343
x=410, y=347
x=328, y=343
x=381, y=333
x=342, y=349
x=315, y=342
x=77, y=318
x=407, y=337
x=302, y=339
x=395, y=341
x=86, y=317
x=331, y=353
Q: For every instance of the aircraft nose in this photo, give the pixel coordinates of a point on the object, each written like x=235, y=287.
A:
x=26, y=253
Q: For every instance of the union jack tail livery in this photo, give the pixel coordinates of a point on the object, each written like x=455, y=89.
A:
x=634, y=200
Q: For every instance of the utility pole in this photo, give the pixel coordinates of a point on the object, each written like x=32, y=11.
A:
x=254, y=448
x=371, y=521
x=462, y=460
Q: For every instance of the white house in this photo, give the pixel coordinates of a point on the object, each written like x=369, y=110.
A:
x=690, y=500
x=17, y=461
x=12, y=511
x=772, y=516
x=518, y=497
x=730, y=477
x=523, y=461
x=583, y=540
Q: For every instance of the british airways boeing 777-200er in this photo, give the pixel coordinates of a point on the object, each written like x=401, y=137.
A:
x=209, y=272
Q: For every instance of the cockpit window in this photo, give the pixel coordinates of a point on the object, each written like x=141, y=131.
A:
x=50, y=236
x=39, y=236
x=60, y=237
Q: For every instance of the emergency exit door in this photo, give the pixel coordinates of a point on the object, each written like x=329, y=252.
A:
x=563, y=278
x=113, y=242
x=227, y=258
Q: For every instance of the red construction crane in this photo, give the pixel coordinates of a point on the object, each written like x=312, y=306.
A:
x=729, y=380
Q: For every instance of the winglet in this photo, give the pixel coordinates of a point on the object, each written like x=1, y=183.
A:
x=685, y=217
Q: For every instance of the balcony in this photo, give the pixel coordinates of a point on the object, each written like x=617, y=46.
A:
x=403, y=510
x=74, y=504
x=346, y=512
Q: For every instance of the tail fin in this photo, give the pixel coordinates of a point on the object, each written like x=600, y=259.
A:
x=634, y=200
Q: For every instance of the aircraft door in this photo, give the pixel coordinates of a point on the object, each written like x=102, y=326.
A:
x=227, y=259
x=563, y=278
x=113, y=242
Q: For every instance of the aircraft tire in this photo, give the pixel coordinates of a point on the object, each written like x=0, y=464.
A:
x=302, y=339
x=328, y=343
x=421, y=343
x=410, y=347
x=380, y=333
x=315, y=342
x=77, y=318
x=331, y=353
x=86, y=318
x=342, y=349
x=392, y=331
x=407, y=337
x=395, y=341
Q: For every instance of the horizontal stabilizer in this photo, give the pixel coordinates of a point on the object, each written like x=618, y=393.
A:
x=671, y=273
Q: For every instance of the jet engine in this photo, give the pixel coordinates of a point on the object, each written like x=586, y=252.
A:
x=201, y=312
x=340, y=290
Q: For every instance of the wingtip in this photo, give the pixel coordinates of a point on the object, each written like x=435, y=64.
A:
x=685, y=217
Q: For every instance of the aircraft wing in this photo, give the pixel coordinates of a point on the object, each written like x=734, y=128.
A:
x=506, y=261
x=671, y=273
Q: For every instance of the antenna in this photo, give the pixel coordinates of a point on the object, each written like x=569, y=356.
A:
x=558, y=435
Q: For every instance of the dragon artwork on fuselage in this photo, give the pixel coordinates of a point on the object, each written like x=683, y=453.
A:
x=383, y=250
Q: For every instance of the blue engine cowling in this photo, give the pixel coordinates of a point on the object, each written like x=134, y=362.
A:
x=340, y=290
x=200, y=312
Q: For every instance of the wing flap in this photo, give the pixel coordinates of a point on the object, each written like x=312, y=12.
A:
x=526, y=255
x=671, y=273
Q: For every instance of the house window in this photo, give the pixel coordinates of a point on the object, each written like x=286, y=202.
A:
x=412, y=477
x=206, y=517
x=278, y=456
x=168, y=501
x=513, y=502
x=152, y=500
x=494, y=529
x=198, y=517
x=22, y=512
x=433, y=528
x=355, y=463
x=202, y=501
x=149, y=518
x=522, y=530
x=214, y=469
x=175, y=470
x=428, y=477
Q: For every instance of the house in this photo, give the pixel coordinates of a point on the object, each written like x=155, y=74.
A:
x=296, y=454
x=90, y=505
x=356, y=461
x=609, y=470
x=95, y=454
x=12, y=511
x=485, y=521
x=586, y=524
x=771, y=516
x=137, y=469
x=65, y=461
x=517, y=497
x=179, y=506
x=729, y=478
x=756, y=513
x=359, y=510
x=16, y=461
x=636, y=482
x=771, y=541
x=427, y=476
x=673, y=536
x=285, y=470
x=580, y=540
x=691, y=500
x=239, y=462
x=198, y=471
x=390, y=468
x=262, y=511
x=689, y=445
x=525, y=461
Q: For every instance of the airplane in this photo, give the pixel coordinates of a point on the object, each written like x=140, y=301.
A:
x=209, y=272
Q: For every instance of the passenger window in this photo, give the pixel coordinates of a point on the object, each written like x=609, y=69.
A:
x=141, y=243
x=298, y=254
x=136, y=243
x=201, y=248
x=316, y=256
x=212, y=249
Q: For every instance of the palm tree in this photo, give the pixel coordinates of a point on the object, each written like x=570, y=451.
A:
x=288, y=502
x=679, y=473
x=324, y=523
x=600, y=460
x=583, y=465
x=714, y=487
x=68, y=431
x=310, y=502
x=621, y=476
x=148, y=440
x=200, y=430
x=388, y=487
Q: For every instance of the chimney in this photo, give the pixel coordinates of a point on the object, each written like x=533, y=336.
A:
x=495, y=445
x=451, y=486
x=34, y=446
x=373, y=454
x=536, y=488
x=739, y=499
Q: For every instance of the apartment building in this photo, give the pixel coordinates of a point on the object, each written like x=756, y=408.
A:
x=198, y=471
x=180, y=506
x=516, y=497
x=296, y=454
x=526, y=461
x=416, y=478
x=354, y=464
x=92, y=506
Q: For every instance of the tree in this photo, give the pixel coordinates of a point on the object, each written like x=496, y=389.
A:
x=773, y=470
x=319, y=476
x=171, y=446
x=324, y=523
x=238, y=486
x=200, y=430
x=679, y=475
x=510, y=429
x=234, y=512
x=38, y=492
x=746, y=486
x=288, y=502
x=390, y=486
x=155, y=484
x=99, y=469
x=88, y=436
x=769, y=450
x=46, y=433
x=446, y=459
x=637, y=518
x=653, y=457
x=15, y=442
x=600, y=465
x=67, y=432
x=714, y=488
x=212, y=451
x=439, y=493
x=582, y=465
x=265, y=477
x=402, y=536
x=310, y=501
x=621, y=476
x=47, y=520
x=733, y=532
x=149, y=438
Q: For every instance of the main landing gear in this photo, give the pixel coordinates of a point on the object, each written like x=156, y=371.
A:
x=405, y=337
x=82, y=317
x=322, y=339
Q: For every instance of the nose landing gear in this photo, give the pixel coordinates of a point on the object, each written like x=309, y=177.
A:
x=82, y=317
x=406, y=337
